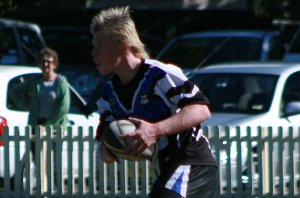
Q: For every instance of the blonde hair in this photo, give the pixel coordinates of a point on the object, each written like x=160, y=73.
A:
x=118, y=25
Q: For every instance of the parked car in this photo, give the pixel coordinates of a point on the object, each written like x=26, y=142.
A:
x=251, y=94
x=19, y=42
x=16, y=117
x=196, y=50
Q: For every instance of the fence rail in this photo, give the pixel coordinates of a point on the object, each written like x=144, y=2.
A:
x=253, y=162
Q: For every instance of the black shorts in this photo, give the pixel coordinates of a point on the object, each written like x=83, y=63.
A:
x=187, y=181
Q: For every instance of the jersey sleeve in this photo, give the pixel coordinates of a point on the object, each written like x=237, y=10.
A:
x=178, y=91
x=105, y=112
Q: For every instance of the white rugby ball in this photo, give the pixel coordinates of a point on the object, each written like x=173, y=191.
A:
x=112, y=140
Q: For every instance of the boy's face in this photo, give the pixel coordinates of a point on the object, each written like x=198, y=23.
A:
x=106, y=54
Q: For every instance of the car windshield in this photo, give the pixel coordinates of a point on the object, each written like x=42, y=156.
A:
x=197, y=52
x=21, y=50
x=295, y=45
x=237, y=93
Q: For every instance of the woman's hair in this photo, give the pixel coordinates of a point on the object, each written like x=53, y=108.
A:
x=48, y=52
x=118, y=25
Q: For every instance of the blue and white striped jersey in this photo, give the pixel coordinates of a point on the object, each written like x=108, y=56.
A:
x=157, y=92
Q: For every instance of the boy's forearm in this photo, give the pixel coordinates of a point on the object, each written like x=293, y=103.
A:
x=190, y=116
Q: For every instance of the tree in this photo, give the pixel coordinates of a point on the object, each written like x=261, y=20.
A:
x=11, y=8
x=286, y=9
x=8, y=8
x=289, y=9
x=266, y=8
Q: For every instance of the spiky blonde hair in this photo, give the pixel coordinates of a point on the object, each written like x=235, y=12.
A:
x=118, y=25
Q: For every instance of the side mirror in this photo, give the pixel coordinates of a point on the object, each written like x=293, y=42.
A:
x=292, y=108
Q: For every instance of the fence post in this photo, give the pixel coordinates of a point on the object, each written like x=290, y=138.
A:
x=81, y=181
x=58, y=147
x=70, y=186
x=92, y=162
x=265, y=161
x=7, y=184
x=280, y=166
x=49, y=159
x=28, y=158
x=291, y=158
x=239, y=161
x=123, y=178
x=17, y=176
x=259, y=165
x=43, y=160
x=249, y=189
x=37, y=159
x=228, y=161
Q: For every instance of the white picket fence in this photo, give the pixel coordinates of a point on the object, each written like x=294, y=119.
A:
x=76, y=170
x=253, y=162
x=257, y=161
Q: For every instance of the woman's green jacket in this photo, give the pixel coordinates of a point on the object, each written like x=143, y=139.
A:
x=26, y=95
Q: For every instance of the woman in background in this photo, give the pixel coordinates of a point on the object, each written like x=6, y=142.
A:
x=46, y=96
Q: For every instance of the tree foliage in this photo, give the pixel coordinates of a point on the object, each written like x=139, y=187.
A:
x=276, y=8
x=266, y=8
x=8, y=8
x=11, y=8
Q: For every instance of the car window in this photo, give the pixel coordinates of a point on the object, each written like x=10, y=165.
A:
x=291, y=90
x=237, y=93
x=8, y=47
x=295, y=44
x=77, y=104
x=14, y=82
x=189, y=53
x=31, y=45
x=277, y=49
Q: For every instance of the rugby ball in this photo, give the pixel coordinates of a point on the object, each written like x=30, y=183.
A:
x=112, y=140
